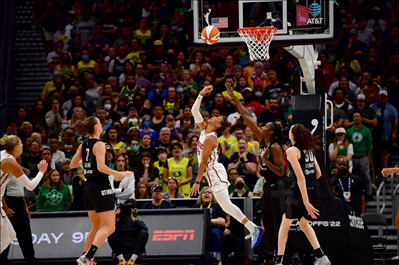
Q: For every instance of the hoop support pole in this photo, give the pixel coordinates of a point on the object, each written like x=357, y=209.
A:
x=307, y=58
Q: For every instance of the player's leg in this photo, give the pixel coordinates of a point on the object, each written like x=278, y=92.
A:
x=95, y=226
x=222, y=197
x=282, y=238
x=107, y=227
x=311, y=236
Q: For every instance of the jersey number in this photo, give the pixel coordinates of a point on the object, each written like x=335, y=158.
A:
x=308, y=156
x=87, y=154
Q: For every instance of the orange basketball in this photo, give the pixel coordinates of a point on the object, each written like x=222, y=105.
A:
x=210, y=35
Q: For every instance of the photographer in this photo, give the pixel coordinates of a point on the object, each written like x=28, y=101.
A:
x=131, y=234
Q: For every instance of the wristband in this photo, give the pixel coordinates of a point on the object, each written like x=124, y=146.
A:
x=197, y=182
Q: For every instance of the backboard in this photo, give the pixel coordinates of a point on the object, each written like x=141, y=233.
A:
x=298, y=22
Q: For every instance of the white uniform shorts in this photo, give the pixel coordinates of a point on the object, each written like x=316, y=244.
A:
x=7, y=231
x=217, y=178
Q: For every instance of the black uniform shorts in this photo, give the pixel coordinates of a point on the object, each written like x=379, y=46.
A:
x=98, y=195
x=296, y=209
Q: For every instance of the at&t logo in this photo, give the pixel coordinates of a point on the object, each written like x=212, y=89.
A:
x=314, y=11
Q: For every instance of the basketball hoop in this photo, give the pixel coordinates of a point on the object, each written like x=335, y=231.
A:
x=258, y=40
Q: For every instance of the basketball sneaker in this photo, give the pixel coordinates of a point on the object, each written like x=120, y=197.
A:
x=256, y=236
x=130, y=262
x=122, y=262
x=322, y=261
x=82, y=260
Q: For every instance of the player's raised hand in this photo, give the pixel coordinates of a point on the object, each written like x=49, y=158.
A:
x=207, y=89
x=387, y=171
x=229, y=89
x=42, y=166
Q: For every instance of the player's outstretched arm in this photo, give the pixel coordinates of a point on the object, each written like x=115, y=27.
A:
x=388, y=171
x=99, y=152
x=77, y=158
x=245, y=114
x=195, y=110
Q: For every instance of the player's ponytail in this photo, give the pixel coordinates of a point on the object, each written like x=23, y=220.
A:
x=86, y=126
x=9, y=142
x=304, y=137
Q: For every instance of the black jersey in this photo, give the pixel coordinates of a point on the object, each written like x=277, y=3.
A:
x=89, y=160
x=268, y=174
x=308, y=166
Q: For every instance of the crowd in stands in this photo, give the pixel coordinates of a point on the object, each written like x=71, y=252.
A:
x=129, y=64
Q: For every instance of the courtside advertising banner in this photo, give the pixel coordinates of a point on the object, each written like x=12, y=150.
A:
x=63, y=237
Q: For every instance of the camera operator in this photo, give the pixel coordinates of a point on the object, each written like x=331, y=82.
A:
x=131, y=234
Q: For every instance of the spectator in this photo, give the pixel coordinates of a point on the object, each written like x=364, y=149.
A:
x=131, y=88
x=341, y=101
x=117, y=65
x=100, y=114
x=365, y=34
x=131, y=234
x=274, y=89
x=373, y=69
x=340, y=148
x=171, y=102
x=25, y=129
x=190, y=86
x=357, y=47
x=372, y=93
x=54, y=57
x=68, y=144
x=157, y=202
x=59, y=91
x=218, y=219
x=140, y=79
x=369, y=117
x=155, y=19
x=391, y=78
x=106, y=94
x=111, y=156
x=158, y=119
x=157, y=56
x=135, y=50
x=220, y=103
x=112, y=54
x=244, y=162
x=158, y=93
x=349, y=187
x=345, y=71
x=234, y=148
x=99, y=40
x=87, y=66
x=252, y=105
x=38, y=114
x=348, y=60
x=272, y=114
x=123, y=190
x=67, y=176
x=327, y=69
x=180, y=168
x=55, y=116
x=191, y=153
x=85, y=27
x=125, y=37
x=360, y=137
x=384, y=135
x=175, y=132
x=241, y=191
x=77, y=102
x=233, y=176
x=58, y=155
x=132, y=119
x=133, y=133
x=225, y=69
x=53, y=194
x=197, y=61
x=391, y=43
x=175, y=33
x=112, y=137
x=33, y=159
x=146, y=172
x=242, y=83
x=50, y=86
x=173, y=191
x=141, y=191
x=146, y=145
x=110, y=25
x=128, y=69
x=249, y=136
x=133, y=152
x=76, y=49
x=186, y=123
x=68, y=71
x=143, y=34
x=376, y=21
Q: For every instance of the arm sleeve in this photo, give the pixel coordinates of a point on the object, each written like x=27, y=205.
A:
x=195, y=110
x=30, y=184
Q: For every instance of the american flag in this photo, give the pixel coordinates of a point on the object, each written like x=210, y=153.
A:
x=220, y=22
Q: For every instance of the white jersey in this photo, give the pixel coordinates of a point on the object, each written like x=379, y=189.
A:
x=213, y=158
x=4, y=177
x=215, y=172
x=7, y=233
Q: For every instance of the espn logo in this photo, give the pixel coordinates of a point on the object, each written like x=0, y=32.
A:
x=173, y=235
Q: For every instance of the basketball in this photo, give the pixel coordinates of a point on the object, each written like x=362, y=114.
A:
x=210, y=35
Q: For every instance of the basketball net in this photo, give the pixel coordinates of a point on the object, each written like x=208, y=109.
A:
x=258, y=40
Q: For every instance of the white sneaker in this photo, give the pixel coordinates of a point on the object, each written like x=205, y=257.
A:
x=322, y=261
